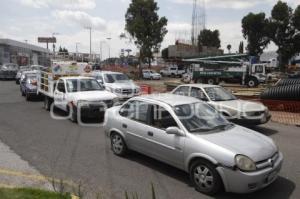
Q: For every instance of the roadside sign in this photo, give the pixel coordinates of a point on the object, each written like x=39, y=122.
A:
x=47, y=39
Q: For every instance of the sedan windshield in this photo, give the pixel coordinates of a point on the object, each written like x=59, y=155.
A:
x=112, y=78
x=81, y=85
x=219, y=94
x=200, y=117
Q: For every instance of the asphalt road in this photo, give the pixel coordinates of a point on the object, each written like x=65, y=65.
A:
x=65, y=150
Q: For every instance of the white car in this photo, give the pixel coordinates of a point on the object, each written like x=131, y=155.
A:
x=117, y=83
x=150, y=74
x=236, y=110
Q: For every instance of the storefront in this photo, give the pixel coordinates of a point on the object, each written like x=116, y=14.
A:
x=20, y=53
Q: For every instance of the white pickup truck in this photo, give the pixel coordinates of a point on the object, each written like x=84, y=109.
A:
x=76, y=95
x=173, y=71
x=117, y=83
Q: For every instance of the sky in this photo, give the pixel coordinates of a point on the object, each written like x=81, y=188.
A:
x=29, y=19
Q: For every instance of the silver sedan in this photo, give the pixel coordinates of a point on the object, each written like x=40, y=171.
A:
x=190, y=135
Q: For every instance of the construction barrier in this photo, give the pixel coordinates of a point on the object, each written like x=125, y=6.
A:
x=282, y=105
x=146, y=89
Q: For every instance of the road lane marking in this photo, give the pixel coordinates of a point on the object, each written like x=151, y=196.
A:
x=35, y=177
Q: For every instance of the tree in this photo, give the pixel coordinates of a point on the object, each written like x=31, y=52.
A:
x=255, y=31
x=229, y=48
x=145, y=27
x=165, y=53
x=283, y=29
x=209, y=38
x=241, y=47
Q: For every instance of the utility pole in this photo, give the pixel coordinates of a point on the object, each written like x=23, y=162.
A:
x=108, y=38
x=90, y=29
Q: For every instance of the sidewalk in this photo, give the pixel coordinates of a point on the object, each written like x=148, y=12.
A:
x=286, y=118
x=15, y=172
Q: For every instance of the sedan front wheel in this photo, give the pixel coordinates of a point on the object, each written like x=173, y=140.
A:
x=205, y=177
x=118, y=144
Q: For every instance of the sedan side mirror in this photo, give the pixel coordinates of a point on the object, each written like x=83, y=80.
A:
x=174, y=131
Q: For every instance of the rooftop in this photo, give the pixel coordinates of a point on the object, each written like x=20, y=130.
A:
x=11, y=42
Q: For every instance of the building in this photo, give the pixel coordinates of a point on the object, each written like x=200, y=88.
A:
x=21, y=53
x=181, y=50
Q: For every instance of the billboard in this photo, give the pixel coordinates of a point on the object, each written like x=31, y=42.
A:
x=47, y=39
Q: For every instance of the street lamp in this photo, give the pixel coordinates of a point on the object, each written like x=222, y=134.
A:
x=77, y=43
x=101, y=43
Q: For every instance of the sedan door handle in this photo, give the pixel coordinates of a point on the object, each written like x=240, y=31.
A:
x=150, y=133
x=124, y=126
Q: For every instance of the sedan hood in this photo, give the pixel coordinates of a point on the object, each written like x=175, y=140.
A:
x=240, y=105
x=244, y=141
x=93, y=95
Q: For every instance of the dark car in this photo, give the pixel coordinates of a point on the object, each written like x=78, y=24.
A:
x=8, y=71
x=28, y=85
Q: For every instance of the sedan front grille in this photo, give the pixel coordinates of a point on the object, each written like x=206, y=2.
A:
x=268, y=162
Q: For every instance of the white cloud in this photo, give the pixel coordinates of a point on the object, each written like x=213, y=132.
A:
x=64, y=4
x=81, y=18
x=234, y=4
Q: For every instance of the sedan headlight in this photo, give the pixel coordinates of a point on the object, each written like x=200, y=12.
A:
x=244, y=163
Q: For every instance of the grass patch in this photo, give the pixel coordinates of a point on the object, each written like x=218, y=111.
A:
x=27, y=193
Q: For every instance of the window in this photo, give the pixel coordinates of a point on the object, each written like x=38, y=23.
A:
x=61, y=86
x=259, y=69
x=82, y=85
x=113, y=78
x=136, y=110
x=183, y=90
x=161, y=118
x=198, y=93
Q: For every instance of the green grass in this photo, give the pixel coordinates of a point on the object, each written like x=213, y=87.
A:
x=27, y=193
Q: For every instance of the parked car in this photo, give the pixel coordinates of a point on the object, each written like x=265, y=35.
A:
x=173, y=71
x=117, y=83
x=8, y=71
x=150, y=74
x=190, y=135
x=19, y=73
x=28, y=84
x=236, y=110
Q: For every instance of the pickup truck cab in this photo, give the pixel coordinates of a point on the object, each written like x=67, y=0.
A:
x=117, y=83
x=78, y=96
x=173, y=71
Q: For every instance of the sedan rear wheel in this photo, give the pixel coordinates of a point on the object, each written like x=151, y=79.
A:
x=205, y=177
x=118, y=144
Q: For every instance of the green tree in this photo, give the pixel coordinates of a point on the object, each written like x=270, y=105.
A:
x=165, y=53
x=209, y=38
x=255, y=31
x=283, y=29
x=229, y=48
x=145, y=27
x=241, y=47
